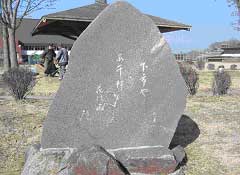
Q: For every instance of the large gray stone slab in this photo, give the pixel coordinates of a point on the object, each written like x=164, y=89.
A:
x=123, y=87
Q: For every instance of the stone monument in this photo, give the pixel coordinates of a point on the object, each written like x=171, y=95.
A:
x=123, y=87
x=123, y=91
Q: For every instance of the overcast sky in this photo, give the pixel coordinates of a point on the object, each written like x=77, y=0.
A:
x=210, y=19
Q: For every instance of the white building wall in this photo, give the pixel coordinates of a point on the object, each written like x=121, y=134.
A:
x=32, y=52
x=35, y=52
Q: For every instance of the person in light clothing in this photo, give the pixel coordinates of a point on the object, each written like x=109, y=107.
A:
x=62, y=59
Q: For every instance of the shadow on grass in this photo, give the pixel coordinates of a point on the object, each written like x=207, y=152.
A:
x=187, y=131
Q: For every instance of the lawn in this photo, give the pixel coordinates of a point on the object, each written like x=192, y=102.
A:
x=215, y=152
x=45, y=86
x=20, y=126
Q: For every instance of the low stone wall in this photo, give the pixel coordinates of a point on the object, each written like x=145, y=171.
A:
x=227, y=65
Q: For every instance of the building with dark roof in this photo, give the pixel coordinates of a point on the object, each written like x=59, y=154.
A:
x=35, y=45
x=28, y=46
x=229, y=57
x=71, y=23
x=34, y=35
x=24, y=35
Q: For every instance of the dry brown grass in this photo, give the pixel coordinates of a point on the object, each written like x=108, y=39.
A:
x=206, y=78
x=45, y=86
x=20, y=126
x=215, y=152
x=217, y=149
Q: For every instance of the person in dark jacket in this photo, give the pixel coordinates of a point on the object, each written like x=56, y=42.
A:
x=48, y=57
x=62, y=59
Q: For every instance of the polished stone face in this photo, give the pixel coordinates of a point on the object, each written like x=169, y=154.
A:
x=122, y=89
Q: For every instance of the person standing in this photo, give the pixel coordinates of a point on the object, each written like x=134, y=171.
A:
x=62, y=58
x=48, y=56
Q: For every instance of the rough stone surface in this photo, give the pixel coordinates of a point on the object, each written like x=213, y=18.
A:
x=95, y=160
x=123, y=87
x=86, y=161
x=148, y=160
x=179, y=153
x=187, y=132
x=180, y=171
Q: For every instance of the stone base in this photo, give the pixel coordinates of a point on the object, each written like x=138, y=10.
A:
x=96, y=160
x=148, y=160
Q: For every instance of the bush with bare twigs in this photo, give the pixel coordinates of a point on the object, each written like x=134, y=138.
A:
x=190, y=76
x=221, y=83
x=20, y=82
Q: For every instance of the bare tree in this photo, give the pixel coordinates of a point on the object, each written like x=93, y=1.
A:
x=6, y=61
x=233, y=3
x=12, y=14
x=237, y=3
x=231, y=43
x=4, y=31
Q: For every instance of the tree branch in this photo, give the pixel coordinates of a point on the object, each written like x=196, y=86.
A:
x=15, y=10
x=4, y=15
